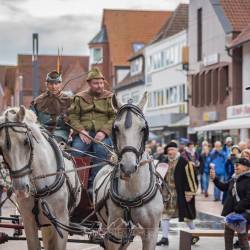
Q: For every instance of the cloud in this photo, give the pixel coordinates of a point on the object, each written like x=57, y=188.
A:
x=70, y=32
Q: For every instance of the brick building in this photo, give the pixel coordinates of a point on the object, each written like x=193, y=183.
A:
x=215, y=80
x=72, y=66
x=122, y=33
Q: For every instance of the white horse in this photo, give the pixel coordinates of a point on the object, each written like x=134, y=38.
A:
x=127, y=196
x=28, y=153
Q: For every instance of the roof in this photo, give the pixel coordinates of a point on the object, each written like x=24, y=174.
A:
x=177, y=22
x=125, y=27
x=238, y=12
x=233, y=14
x=101, y=36
x=242, y=38
x=129, y=80
x=48, y=63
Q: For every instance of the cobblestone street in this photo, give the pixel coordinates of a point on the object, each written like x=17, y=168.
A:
x=205, y=206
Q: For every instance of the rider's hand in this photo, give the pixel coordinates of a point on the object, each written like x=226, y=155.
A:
x=100, y=136
x=188, y=197
x=83, y=137
x=212, y=172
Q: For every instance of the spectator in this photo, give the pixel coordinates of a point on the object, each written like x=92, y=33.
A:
x=237, y=201
x=182, y=184
x=248, y=143
x=231, y=160
x=191, y=155
x=242, y=145
x=159, y=152
x=227, y=146
x=245, y=154
x=204, y=168
x=218, y=161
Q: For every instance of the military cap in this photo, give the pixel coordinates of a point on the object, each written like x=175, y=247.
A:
x=53, y=77
x=95, y=73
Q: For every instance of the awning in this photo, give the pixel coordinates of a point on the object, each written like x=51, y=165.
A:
x=184, y=122
x=226, y=125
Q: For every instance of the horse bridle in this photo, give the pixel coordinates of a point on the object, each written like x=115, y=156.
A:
x=27, y=169
x=138, y=152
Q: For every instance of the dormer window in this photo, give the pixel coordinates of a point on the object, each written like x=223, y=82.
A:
x=136, y=66
x=137, y=46
x=96, y=55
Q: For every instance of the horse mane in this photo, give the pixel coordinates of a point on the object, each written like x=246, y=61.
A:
x=30, y=116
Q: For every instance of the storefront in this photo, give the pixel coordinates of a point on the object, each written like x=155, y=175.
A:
x=237, y=123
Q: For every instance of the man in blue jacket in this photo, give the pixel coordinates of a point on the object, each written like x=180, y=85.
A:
x=218, y=160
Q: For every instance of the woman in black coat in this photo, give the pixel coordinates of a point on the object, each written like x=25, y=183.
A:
x=237, y=200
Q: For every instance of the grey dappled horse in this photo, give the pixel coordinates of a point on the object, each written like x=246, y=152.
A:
x=127, y=196
x=28, y=153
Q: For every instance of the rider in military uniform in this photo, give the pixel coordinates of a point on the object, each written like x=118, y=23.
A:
x=51, y=107
x=92, y=114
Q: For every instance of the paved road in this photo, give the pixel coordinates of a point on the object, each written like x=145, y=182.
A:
x=205, y=205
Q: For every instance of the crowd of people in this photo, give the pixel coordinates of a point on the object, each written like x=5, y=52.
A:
x=226, y=164
x=220, y=156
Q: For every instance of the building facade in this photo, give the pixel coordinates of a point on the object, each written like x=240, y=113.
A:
x=215, y=79
x=123, y=33
x=166, y=81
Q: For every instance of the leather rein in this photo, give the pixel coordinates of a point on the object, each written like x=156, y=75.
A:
x=27, y=169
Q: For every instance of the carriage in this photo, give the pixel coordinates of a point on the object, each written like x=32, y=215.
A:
x=48, y=200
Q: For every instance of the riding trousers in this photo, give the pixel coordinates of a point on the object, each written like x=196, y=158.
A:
x=94, y=149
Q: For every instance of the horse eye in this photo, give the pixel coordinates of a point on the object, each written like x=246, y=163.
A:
x=26, y=142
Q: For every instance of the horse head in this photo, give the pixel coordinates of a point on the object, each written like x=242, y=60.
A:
x=129, y=132
x=17, y=130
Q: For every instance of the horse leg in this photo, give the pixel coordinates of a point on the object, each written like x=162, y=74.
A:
x=52, y=240
x=149, y=239
x=30, y=226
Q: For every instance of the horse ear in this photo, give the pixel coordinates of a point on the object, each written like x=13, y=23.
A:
x=116, y=104
x=21, y=113
x=143, y=100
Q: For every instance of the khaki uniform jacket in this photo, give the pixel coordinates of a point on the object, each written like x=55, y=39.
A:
x=92, y=113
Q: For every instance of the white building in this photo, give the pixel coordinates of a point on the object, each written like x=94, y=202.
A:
x=133, y=85
x=166, y=81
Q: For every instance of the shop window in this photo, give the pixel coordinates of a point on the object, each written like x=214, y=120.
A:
x=208, y=88
x=223, y=83
x=215, y=89
x=202, y=89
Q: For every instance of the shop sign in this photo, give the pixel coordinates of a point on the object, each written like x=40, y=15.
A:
x=211, y=59
x=210, y=116
x=238, y=111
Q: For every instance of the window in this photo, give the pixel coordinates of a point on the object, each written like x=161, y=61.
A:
x=136, y=66
x=137, y=46
x=173, y=95
x=96, y=55
x=150, y=101
x=135, y=96
x=182, y=93
x=199, y=34
x=160, y=99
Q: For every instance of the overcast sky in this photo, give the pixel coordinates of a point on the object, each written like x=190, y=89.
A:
x=70, y=24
